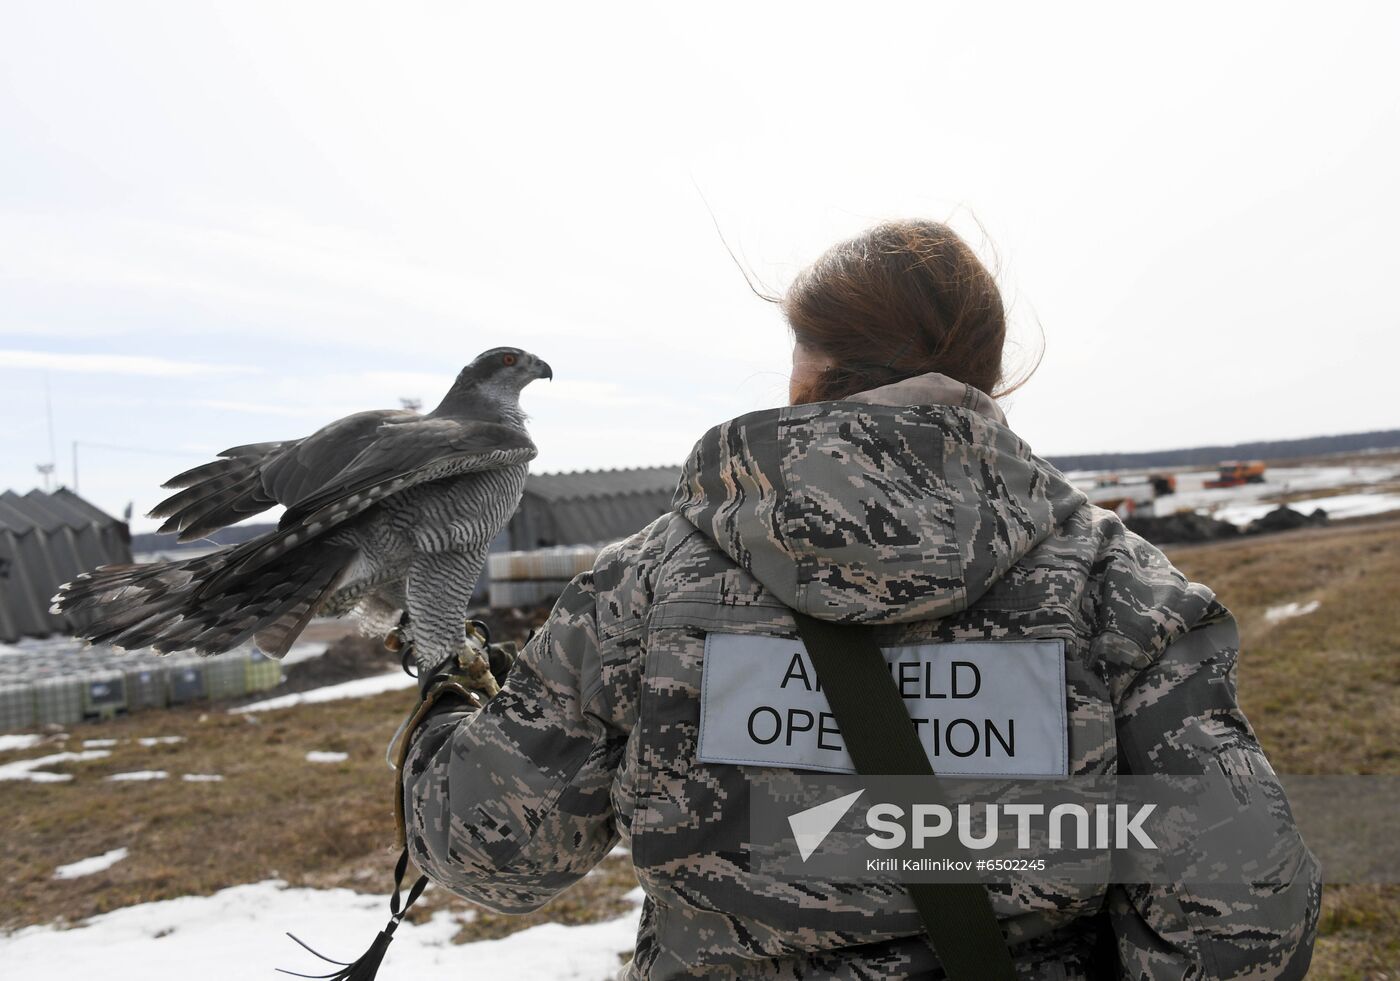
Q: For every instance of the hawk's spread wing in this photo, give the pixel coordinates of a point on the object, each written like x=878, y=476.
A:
x=246, y=480
x=407, y=453
x=400, y=455
x=313, y=464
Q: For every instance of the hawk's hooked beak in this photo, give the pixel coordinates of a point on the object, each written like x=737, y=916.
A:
x=545, y=371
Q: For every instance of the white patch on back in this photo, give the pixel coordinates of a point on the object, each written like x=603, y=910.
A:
x=980, y=708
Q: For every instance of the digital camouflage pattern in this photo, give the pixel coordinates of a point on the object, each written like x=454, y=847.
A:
x=914, y=509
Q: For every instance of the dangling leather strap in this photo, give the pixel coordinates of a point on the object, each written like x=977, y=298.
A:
x=880, y=737
x=366, y=966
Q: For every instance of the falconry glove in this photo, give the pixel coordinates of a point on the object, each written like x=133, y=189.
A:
x=470, y=677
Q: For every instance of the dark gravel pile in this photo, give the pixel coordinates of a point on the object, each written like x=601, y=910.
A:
x=1284, y=518
x=1185, y=526
x=348, y=657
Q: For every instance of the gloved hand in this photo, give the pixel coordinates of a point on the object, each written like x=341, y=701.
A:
x=473, y=675
x=502, y=657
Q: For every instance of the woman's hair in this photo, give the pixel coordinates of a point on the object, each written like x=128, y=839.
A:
x=898, y=300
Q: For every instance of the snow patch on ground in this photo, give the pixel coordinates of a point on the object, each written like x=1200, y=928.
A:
x=1192, y=495
x=1277, y=614
x=359, y=688
x=237, y=933
x=325, y=756
x=30, y=769
x=202, y=777
x=1350, y=505
x=1337, y=506
x=304, y=652
x=87, y=866
x=140, y=775
x=24, y=741
x=160, y=740
x=98, y=743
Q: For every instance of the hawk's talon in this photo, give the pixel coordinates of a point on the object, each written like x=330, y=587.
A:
x=479, y=627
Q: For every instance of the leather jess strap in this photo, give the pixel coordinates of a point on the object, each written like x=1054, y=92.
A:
x=880, y=737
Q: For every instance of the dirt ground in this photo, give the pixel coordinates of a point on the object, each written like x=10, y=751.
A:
x=268, y=817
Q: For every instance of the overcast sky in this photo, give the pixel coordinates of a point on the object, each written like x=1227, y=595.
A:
x=227, y=223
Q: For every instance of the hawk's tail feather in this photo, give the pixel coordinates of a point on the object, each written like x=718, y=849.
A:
x=276, y=639
x=154, y=605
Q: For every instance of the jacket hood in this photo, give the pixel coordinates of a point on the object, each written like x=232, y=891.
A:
x=905, y=502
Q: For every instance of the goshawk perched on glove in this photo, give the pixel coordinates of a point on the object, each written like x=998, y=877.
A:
x=387, y=511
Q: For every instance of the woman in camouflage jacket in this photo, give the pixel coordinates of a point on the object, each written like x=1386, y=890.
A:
x=891, y=492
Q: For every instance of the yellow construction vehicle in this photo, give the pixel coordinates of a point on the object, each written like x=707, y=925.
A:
x=1233, y=473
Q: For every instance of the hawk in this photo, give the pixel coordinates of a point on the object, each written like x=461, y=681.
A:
x=388, y=512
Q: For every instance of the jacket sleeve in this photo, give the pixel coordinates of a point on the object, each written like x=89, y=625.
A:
x=510, y=804
x=1180, y=715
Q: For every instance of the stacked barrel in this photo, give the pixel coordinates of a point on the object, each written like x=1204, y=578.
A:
x=62, y=681
x=524, y=579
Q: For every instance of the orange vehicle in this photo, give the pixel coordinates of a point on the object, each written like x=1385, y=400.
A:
x=1233, y=473
x=1125, y=493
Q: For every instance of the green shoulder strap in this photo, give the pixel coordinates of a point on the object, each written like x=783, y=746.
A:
x=880, y=737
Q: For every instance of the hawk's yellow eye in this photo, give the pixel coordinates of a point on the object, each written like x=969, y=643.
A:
x=508, y=359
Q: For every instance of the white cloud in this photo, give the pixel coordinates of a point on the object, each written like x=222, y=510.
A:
x=321, y=411
x=599, y=394
x=48, y=331
x=112, y=364
x=362, y=220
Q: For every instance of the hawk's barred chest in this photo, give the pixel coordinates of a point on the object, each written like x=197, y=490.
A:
x=461, y=512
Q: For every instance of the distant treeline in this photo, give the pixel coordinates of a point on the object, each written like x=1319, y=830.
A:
x=1197, y=456
x=1210, y=456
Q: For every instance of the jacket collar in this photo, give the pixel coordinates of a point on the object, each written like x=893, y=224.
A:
x=931, y=388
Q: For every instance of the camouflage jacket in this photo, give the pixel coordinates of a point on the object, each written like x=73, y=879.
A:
x=913, y=507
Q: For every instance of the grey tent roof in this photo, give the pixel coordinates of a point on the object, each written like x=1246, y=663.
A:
x=591, y=506
x=578, y=484
x=45, y=540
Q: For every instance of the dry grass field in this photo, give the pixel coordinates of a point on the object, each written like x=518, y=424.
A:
x=1323, y=690
x=276, y=815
